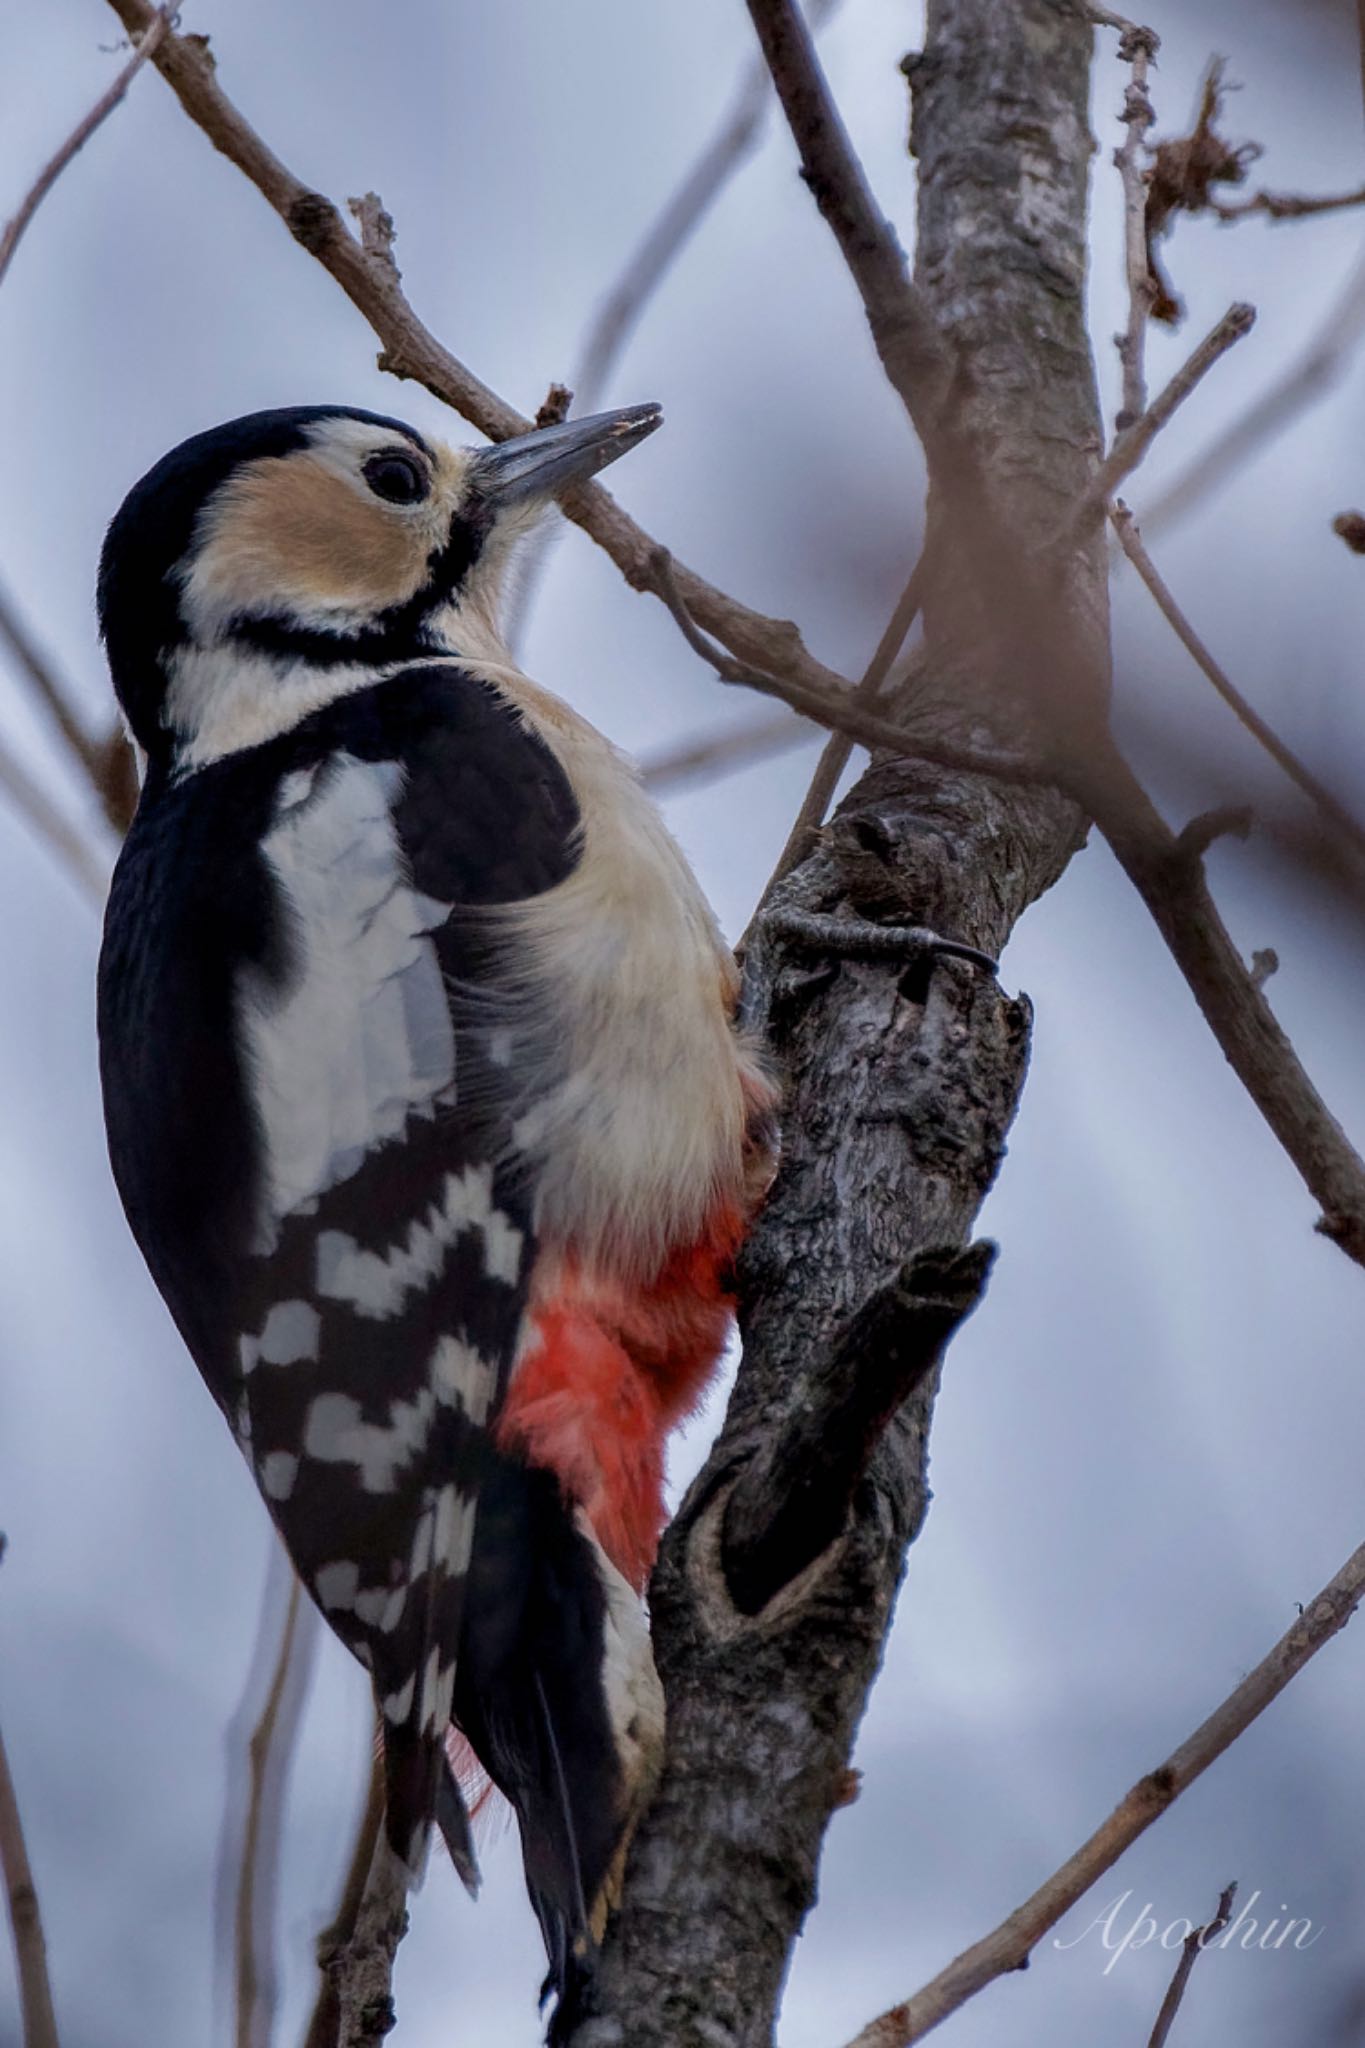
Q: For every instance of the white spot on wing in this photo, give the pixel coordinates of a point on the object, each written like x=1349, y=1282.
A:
x=336, y=1586
x=279, y=1470
x=336, y=1432
x=361, y=1038
x=290, y=1333
x=398, y=1705
x=380, y=1607
x=463, y=1378
x=376, y=1283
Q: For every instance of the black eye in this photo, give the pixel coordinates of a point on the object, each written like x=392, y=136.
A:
x=398, y=479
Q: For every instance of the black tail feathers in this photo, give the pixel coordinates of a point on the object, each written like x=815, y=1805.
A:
x=530, y=1696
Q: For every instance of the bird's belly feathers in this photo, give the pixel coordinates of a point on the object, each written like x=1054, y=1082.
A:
x=639, y=1092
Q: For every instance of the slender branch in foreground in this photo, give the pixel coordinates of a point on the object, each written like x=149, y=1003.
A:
x=1336, y=814
x=718, y=752
x=1137, y=47
x=1310, y=378
x=623, y=305
x=677, y=220
x=269, y=1754
x=1196, y=1941
x=107, y=764
x=411, y=350
x=324, y=2027
x=838, y=709
x=358, y=2004
x=1008, y=1946
x=51, y=692
x=1289, y=205
x=81, y=860
x=907, y=337
x=25, y=1919
x=833, y=761
x=147, y=40
x=793, y=1497
x=1130, y=447
x=1170, y=880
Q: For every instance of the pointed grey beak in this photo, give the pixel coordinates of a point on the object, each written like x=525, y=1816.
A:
x=547, y=460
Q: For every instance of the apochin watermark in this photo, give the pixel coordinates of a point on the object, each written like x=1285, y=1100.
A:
x=1122, y=1933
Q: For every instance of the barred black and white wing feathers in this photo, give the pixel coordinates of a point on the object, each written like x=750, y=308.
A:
x=331, y=1210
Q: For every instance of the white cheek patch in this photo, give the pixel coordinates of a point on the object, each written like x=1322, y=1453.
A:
x=220, y=700
x=361, y=1038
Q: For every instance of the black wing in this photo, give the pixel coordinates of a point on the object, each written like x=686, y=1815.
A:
x=310, y=1140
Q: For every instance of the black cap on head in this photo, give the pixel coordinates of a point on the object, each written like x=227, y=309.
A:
x=152, y=531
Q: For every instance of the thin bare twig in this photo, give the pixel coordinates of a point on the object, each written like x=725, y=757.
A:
x=834, y=759
x=411, y=350
x=148, y=40
x=718, y=752
x=51, y=692
x=45, y=821
x=107, y=763
x=1289, y=205
x=324, y=2026
x=269, y=1755
x=25, y=1919
x=1131, y=446
x=736, y=137
x=1137, y=47
x=1229, y=994
x=1130, y=540
x=1321, y=366
x=838, y=710
x=907, y=337
x=1196, y=1941
x=623, y=305
x=1007, y=1947
x=359, y=1968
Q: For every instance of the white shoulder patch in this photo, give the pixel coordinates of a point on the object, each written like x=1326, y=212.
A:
x=361, y=1038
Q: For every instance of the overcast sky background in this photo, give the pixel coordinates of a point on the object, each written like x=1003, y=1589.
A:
x=1149, y=1443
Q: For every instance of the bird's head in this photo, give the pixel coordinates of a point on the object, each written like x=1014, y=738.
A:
x=267, y=566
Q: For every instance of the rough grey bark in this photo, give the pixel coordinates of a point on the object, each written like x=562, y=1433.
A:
x=901, y=1079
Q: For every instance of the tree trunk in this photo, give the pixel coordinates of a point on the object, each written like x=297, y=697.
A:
x=901, y=1078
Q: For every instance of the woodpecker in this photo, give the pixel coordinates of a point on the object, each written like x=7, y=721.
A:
x=425, y=1100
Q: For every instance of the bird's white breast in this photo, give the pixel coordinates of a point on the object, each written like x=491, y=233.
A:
x=633, y=1076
